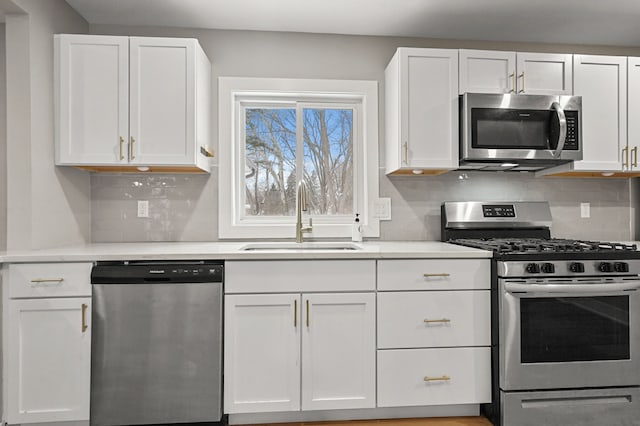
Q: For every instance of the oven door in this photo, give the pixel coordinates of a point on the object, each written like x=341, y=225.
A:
x=569, y=333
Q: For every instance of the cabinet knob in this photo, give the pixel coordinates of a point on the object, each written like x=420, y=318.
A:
x=47, y=280
x=121, y=143
x=436, y=275
x=84, y=317
x=131, y=155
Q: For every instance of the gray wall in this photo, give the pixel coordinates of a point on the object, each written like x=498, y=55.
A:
x=3, y=141
x=46, y=206
x=184, y=208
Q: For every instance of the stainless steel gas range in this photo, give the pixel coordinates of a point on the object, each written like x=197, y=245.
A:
x=565, y=318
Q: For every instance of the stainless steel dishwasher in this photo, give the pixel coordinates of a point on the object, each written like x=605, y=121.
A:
x=156, y=343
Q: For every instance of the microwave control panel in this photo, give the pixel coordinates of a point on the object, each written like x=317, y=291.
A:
x=571, y=143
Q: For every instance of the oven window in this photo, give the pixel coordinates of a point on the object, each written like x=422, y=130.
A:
x=495, y=128
x=565, y=329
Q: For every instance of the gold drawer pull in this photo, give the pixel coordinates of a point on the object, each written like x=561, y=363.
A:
x=429, y=321
x=47, y=280
x=436, y=275
x=84, y=317
x=436, y=379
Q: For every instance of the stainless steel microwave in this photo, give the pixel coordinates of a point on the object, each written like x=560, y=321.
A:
x=519, y=132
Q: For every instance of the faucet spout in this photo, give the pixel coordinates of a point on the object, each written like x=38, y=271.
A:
x=300, y=207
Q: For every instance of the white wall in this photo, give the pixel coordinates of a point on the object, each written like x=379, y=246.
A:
x=46, y=206
x=185, y=209
x=3, y=141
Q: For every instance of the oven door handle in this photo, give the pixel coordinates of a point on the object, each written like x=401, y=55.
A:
x=562, y=137
x=573, y=289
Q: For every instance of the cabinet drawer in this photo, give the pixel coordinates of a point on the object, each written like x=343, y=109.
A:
x=273, y=276
x=408, y=377
x=49, y=279
x=434, y=319
x=434, y=274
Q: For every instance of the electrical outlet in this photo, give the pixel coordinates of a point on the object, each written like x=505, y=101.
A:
x=585, y=210
x=382, y=209
x=143, y=208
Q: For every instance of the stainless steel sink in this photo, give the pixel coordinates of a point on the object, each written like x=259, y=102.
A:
x=315, y=246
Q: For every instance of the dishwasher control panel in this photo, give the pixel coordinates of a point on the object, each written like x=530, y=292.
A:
x=141, y=272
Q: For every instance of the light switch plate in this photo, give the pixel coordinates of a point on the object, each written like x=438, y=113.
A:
x=143, y=208
x=382, y=209
x=585, y=210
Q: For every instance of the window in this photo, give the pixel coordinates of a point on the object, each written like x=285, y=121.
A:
x=275, y=133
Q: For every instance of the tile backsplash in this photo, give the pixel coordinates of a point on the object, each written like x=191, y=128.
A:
x=185, y=207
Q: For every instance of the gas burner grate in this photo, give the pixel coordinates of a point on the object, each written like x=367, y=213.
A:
x=536, y=245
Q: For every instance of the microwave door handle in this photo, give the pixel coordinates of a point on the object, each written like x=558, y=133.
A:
x=562, y=137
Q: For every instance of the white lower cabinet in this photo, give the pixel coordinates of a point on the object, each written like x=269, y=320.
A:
x=47, y=342
x=434, y=376
x=286, y=352
x=434, y=332
x=49, y=360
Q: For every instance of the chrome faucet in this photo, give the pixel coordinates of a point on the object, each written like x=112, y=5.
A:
x=300, y=207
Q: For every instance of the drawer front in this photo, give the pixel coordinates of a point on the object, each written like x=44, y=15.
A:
x=434, y=319
x=409, y=377
x=434, y=274
x=277, y=276
x=49, y=279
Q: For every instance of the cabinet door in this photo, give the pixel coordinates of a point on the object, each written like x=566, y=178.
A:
x=92, y=99
x=602, y=83
x=162, y=93
x=544, y=73
x=634, y=112
x=338, y=347
x=429, y=108
x=262, y=353
x=487, y=71
x=49, y=360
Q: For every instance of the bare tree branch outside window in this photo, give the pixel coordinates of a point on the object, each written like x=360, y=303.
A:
x=327, y=163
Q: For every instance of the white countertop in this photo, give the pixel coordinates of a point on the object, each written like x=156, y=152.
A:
x=233, y=251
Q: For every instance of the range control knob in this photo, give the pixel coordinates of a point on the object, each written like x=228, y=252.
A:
x=548, y=268
x=621, y=267
x=576, y=267
x=532, y=268
x=605, y=267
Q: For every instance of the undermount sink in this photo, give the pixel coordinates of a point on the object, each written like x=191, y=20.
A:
x=312, y=245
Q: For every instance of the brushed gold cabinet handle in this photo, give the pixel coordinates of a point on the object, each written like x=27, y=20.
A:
x=442, y=320
x=522, y=90
x=47, y=280
x=295, y=313
x=515, y=82
x=436, y=275
x=405, y=152
x=307, y=313
x=84, y=317
x=435, y=379
x=625, y=156
x=131, y=156
x=634, y=157
x=121, y=142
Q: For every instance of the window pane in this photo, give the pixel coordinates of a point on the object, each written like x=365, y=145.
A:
x=270, y=167
x=328, y=160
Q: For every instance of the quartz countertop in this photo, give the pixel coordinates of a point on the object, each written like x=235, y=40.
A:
x=234, y=251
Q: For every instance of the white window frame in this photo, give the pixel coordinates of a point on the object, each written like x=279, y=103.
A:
x=362, y=96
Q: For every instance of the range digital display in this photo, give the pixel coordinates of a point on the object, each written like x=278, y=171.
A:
x=498, y=210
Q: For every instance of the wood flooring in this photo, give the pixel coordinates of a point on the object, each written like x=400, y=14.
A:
x=436, y=421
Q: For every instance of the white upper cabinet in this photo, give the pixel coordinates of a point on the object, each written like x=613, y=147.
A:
x=487, y=71
x=132, y=102
x=421, y=111
x=633, y=136
x=92, y=93
x=602, y=83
